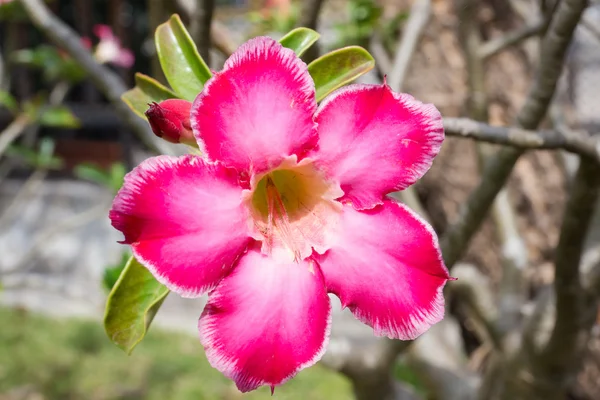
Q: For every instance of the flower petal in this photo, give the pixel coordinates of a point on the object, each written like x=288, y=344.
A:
x=375, y=141
x=258, y=110
x=125, y=59
x=184, y=220
x=386, y=266
x=266, y=321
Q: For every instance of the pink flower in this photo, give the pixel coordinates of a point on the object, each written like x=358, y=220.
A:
x=290, y=204
x=170, y=120
x=109, y=48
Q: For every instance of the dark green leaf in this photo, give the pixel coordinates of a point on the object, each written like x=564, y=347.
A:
x=185, y=70
x=338, y=68
x=299, y=40
x=146, y=91
x=132, y=304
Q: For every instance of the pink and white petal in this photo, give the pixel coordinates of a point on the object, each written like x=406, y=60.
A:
x=103, y=31
x=375, y=141
x=125, y=58
x=266, y=321
x=385, y=265
x=258, y=109
x=184, y=220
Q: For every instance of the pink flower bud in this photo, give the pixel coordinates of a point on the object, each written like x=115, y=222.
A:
x=170, y=120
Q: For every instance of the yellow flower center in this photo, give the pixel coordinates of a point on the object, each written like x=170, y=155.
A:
x=292, y=208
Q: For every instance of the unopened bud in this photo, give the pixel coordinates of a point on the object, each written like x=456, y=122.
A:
x=170, y=120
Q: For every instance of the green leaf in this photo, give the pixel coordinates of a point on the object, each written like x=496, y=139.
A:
x=23, y=153
x=338, y=68
x=54, y=65
x=146, y=91
x=299, y=40
x=92, y=172
x=59, y=116
x=117, y=176
x=9, y=102
x=132, y=304
x=185, y=70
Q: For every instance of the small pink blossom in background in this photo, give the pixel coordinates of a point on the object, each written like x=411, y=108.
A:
x=109, y=48
x=290, y=204
x=280, y=7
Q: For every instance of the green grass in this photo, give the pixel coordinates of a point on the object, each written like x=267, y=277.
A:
x=66, y=359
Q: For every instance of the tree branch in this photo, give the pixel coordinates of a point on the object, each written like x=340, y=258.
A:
x=221, y=39
x=219, y=33
x=200, y=27
x=410, y=36
x=514, y=255
x=559, y=354
x=13, y=131
x=498, y=169
x=310, y=13
x=545, y=367
x=105, y=79
x=496, y=45
x=579, y=143
x=309, y=16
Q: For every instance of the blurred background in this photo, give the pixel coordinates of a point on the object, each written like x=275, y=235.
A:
x=64, y=150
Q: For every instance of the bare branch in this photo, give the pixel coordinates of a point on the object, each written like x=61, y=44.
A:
x=495, y=174
x=23, y=121
x=496, y=45
x=310, y=13
x=105, y=79
x=221, y=39
x=538, y=324
x=382, y=60
x=563, y=343
x=13, y=131
x=220, y=35
x=438, y=359
x=514, y=255
x=200, y=27
x=498, y=169
x=309, y=16
x=474, y=291
x=411, y=34
x=545, y=367
x=553, y=51
x=593, y=279
x=574, y=142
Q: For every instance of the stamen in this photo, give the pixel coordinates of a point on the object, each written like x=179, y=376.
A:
x=278, y=220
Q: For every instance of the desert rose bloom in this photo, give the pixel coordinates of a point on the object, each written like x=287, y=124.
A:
x=289, y=204
x=109, y=48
